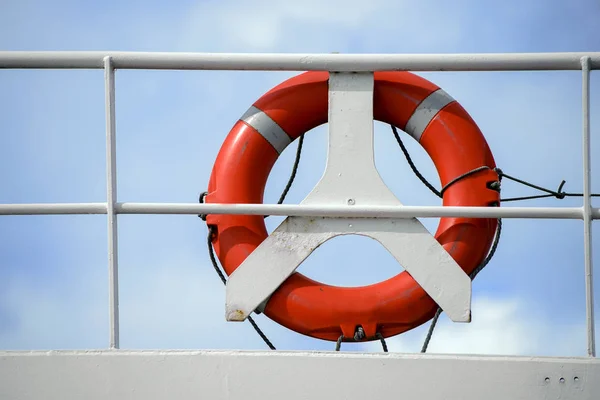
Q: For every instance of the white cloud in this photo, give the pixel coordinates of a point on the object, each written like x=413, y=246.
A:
x=499, y=327
x=314, y=25
x=172, y=305
x=181, y=305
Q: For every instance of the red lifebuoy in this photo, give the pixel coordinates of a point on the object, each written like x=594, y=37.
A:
x=417, y=106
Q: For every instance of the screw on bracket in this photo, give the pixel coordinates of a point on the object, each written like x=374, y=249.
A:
x=359, y=334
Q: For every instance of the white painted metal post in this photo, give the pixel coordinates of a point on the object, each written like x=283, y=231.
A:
x=587, y=208
x=111, y=198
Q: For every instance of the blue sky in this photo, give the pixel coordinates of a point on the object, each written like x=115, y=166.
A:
x=170, y=125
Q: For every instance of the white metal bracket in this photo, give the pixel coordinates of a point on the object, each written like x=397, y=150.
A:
x=350, y=178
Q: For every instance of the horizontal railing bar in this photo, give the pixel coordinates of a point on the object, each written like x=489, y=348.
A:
x=53, y=208
x=299, y=62
x=351, y=211
x=356, y=211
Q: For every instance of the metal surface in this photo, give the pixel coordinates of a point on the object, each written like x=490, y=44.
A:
x=214, y=375
x=357, y=211
x=350, y=178
x=299, y=62
x=297, y=237
x=587, y=208
x=53, y=209
x=111, y=198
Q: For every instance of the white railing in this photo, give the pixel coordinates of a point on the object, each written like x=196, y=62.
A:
x=109, y=61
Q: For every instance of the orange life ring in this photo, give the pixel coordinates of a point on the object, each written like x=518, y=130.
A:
x=417, y=106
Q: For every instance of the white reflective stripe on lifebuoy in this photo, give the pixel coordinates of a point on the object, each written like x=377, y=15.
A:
x=268, y=128
x=426, y=111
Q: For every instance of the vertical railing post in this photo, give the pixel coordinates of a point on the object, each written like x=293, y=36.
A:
x=111, y=198
x=587, y=207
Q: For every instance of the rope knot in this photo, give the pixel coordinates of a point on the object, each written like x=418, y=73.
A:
x=559, y=192
x=201, y=201
x=499, y=172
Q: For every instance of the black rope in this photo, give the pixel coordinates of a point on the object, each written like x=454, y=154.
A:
x=412, y=165
x=211, y=254
x=461, y=177
x=213, y=259
x=211, y=231
x=440, y=193
x=288, y=186
x=559, y=193
x=473, y=274
x=494, y=186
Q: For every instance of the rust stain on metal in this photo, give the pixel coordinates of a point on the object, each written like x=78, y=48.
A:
x=237, y=315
